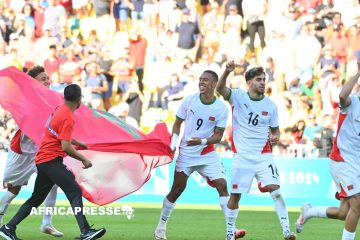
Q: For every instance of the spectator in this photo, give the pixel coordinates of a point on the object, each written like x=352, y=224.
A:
x=324, y=137
x=52, y=63
x=96, y=83
x=188, y=37
x=137, y=53
x=55, y=16
x=254, y=12
x=122, y=111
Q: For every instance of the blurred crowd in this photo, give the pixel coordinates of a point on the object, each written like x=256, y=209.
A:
x=138, y=59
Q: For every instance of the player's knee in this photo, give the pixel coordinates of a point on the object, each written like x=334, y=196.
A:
x=342, y=214
x=276, y=195
x=221, y=187
x=177, y=190
x=14, y=190
x=235, y=197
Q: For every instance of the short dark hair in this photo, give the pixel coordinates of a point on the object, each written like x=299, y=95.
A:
x=52, y=46
x=35, y=71
x=253, y=72
x=72, y=93
x=214, y=74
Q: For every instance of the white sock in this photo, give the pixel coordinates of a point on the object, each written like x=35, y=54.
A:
x=4, y=203
x=348, y=235
x=318, y=211
x=231, y=216
x=49, y=203
x=223, y=203
x=165, y=213
x=281, y=211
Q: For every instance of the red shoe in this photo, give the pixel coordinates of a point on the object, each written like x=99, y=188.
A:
x=240, y=233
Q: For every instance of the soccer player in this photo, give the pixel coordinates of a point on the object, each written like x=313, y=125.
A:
x=205, y=119
x=56, y=144
x=255, y=130
x=344, y=166
x=20, y=165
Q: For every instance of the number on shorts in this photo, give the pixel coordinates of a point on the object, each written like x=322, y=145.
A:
x=199, y=122
x=273, y=171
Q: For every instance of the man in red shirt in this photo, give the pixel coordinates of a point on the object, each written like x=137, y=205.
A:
x=56, y=144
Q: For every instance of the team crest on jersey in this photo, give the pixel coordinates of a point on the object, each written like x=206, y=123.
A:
x=234, y=186
x=264, y=113
x=350, y=187
x=212, y=118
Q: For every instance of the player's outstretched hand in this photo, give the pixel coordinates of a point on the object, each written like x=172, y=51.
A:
x=193, y=141
x=87, y=164
x=230, y=66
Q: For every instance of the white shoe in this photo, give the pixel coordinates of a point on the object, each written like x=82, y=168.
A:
x=48, y=229
x=303, y=217
x=160, y=233
x=289, y=236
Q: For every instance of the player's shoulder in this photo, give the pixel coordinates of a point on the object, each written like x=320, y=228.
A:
x=192, y=97
x=268, y=101
x=238, y=92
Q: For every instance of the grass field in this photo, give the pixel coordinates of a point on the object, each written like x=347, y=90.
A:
x=184, y=224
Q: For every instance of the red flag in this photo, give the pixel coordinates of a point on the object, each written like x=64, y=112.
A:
x=122, y=156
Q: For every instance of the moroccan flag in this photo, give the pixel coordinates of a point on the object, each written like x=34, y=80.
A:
x=122, y=156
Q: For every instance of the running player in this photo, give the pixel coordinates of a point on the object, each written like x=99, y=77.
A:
x=344, y=166
x=20, y=165
x=255, y=130
x=205, y=119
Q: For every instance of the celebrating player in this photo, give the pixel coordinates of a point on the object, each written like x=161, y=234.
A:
x=205, y=120
x=344, y=166
x=55, y=145
x=255, y=129
x=20, y=165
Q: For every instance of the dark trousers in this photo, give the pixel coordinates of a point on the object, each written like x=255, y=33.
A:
x=253, y=28
x=140, y=76
x=50, y=173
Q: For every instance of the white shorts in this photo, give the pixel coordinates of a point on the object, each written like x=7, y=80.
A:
x=244, y=169
x=18, y=169
x=346, y=178
x=210, y=171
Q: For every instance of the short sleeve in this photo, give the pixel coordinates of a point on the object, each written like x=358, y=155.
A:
x=221, y=123
x=274, y=117
x=181, y=113
x=66, y=129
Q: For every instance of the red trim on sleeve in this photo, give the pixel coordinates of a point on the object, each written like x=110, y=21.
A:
x=15, y=144
x=267, y=148
x=335, y=154
x=233, y=148
x=209, y=148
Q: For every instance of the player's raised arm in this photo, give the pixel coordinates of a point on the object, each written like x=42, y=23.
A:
x=221, y=85
x=346, y=90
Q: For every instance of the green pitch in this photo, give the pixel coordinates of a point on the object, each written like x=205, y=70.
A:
x=184, y=224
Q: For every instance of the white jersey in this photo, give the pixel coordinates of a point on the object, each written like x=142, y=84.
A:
x=200, y=121
x=346, y=146
x=252, y=121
